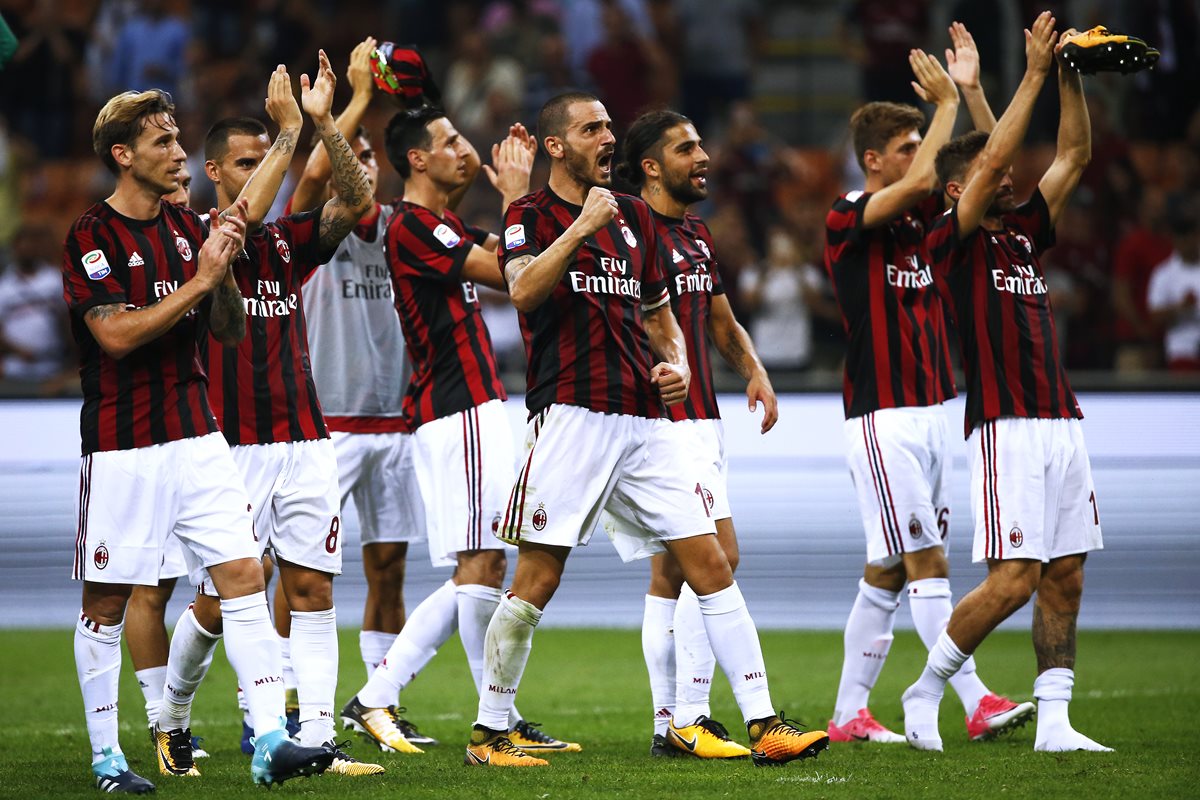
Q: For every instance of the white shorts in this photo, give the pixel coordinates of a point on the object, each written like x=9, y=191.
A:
x=376, y=470
x=578, y=463
x=1032, y=493
x=707, y=439
x=174, y=565
x=900, y=462
x=131, y=502
x=465, y=465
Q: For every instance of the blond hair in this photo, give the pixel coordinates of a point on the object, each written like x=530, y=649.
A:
x=123, y=119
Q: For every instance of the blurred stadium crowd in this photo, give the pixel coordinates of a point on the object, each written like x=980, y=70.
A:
x=769, y=83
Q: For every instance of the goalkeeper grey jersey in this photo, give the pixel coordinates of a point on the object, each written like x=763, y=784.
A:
x=354, y=337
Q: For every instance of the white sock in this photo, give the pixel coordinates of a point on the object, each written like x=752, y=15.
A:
x=476, y=606
x=1053, y=689
x=285, y=659
x=735, y=643
x=658, y=648
x=188, y=662
x=374, y=646
x=427, y=629
x=944, y=660
x=98, y=665
x=506, y=651
x=314, y=635
x=252, y=647
x=694, y=660
x=150, y=681
x=866, y=643
x=930, y=605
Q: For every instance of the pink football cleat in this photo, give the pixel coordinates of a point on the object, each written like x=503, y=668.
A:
x=996, y=715
x=863, y=728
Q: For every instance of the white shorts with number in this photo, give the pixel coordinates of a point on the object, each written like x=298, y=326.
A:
x=376, y=470
x=465, y=465
x=644, y=472
x=131, y=502
x=900, y=461
x=1032, y=493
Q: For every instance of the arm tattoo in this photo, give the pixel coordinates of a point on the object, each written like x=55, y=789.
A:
x=735, y=354
x=514, y=268
x=105, y=311
x=1053, y=639
x=351, y=186
x=227, y=320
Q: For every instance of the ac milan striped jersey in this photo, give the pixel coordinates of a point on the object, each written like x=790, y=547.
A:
x=685, y=250
x=897, y=351
x=354, y=338
x=1002, y=311
x=586, y=345
x=262, y=390
x=454, y=365
x=159, y=392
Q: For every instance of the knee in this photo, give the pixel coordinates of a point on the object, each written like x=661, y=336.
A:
x=384, y=566
x=312, y=592
x=891, y=579
x=928, y=563
x=149, y=601
x=1061, y=590
x=481, y=567
x=733, y=557
x=1014, y=586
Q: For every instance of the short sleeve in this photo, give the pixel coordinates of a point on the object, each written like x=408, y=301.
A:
x=1033, y=219
x=302, y=234
x=843, y=223
x=942, y=242
x=654, y=276
x=714, y=267
x=88, y=278
x=476, y=235
x=520, y=233
x=420, y=245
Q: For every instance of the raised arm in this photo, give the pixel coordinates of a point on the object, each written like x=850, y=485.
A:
x=735, y=346
x=313, y=187
x=260, y=190
x=1074, y=138
x=1005, y=139
x=671, y=374
x=531, y=279
x=932, y=85
x=512, y=161
x=963, y=65
x=352, y=188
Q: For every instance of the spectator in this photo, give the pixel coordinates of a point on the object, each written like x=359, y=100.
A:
x=483, y=91
x=623, y=67
x=886, y=31
x=720, y=39
x=778, y=296
x=744, y=169
x=583, y=29
x=1143, y=248
x=1175, y=289
x=151, y=51
x=33, y=342
x=550, y=76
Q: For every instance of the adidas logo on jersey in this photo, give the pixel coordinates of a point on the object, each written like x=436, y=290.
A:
x=676, y=256
x=135, y=260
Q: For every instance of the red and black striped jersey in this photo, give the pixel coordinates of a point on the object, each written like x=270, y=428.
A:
x=586, y=344
x=1002, y=311
x=159, y=392
x=263, y=389
x=454, y=365
x=685, y=250
x=897, y=351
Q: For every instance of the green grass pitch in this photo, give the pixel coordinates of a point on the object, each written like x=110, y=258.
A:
x=1136, y=691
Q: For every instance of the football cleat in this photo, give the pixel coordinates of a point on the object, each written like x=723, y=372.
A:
x=489, y=748
x=704, y=738
x=113, y=775
x=661, y=748
x=408, y=730
x=1102, y=50
x=277, y=759
x=346, y=764
x=775, y=741
x=379, y=725
x=863, y=728
x=247, y=738
x=996, y=715
x=174, y=749
x=528, y=737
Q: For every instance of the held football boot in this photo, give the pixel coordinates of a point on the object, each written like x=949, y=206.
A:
x=863, y=728
x=346, y=764
x=114, y=776
x=531, y=739
x=704, y=738
x=488, y=748
x=379, y=725
x=174, y=750
x=997, y=715
x=277, y=759
x=775, y=741
x=1102, y=50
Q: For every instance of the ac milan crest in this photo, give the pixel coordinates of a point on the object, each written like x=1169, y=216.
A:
x=495, y=524
x=539, y=518
x=914, y=527
x=1015, y=537
x=284, y=252
x=100, y=557
x=184, y=248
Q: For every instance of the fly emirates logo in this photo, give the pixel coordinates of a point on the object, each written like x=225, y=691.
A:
x=613, y=279
x=914, y=274
x=270, y=301
x=1026, y=281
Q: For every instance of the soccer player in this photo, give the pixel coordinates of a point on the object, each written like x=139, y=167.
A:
x=1032, y=494
x=663, y=155
x=463, y=446
x=264, y=397
x=897, y=377
x=143, y=278
x=583, y=271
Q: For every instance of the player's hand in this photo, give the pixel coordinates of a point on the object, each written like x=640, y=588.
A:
x=599, y=209
x=358, y=74
x=759, y=390
x=962, y=63
x=672, y=381
x=932, y=85
x=1062, y=40
x=513, y=161
x=1039, y=43
x=226, y=238
x=281, y=103
x=317, y=98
